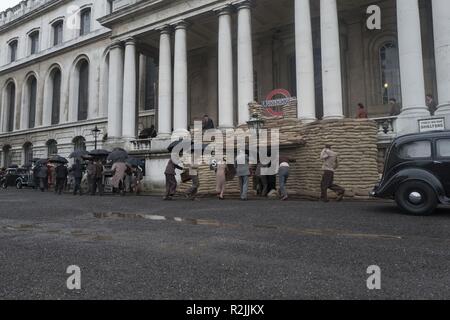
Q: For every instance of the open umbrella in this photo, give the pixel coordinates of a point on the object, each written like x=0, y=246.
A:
x=134, y=162
x=78, y=154
x=100, y=153
x=118, y=155
x=41, y=162
x=174, y=144
x=58, y=159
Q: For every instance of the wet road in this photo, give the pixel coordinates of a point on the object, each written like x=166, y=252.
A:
x=144, y=248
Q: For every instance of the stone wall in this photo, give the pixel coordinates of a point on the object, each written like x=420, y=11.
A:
x=354, y=140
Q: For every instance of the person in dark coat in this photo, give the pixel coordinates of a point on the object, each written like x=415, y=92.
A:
x=431, y=104
x=77, y=171
x=43, y=176
x=208, y=124
x=171, y=181
x=36, y=176
x=91, y=176
x=61, y=173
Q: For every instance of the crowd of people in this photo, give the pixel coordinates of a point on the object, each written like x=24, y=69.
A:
x=94, y=173
x=241, y=169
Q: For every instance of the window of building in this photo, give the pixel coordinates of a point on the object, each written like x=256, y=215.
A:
x=151, y=81
x=13, y=50
x=58, y=32
x=390, y=72
x=6, y=156
x=79, y=144
x=34, y=42
x=443, y=148
x=11, y=105
x=83, y=90
x=85, y=22
x=416, y=150
x=27, y=154
x=56, y=96
x=52, y=147
x=32, y=87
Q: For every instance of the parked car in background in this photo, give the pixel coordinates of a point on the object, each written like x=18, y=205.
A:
x=417, y=173
x=17, y=177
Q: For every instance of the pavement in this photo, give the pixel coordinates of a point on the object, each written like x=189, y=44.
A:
x=145, y=248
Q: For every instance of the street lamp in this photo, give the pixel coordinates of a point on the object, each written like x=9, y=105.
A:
x=96, y=132
x=256, y=123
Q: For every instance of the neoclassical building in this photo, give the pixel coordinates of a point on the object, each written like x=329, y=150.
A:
x=124, y=65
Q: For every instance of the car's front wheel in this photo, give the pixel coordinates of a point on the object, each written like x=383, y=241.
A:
x=416, y=198
x=4, y=185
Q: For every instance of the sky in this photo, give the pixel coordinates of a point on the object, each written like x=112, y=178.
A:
x=5, y=4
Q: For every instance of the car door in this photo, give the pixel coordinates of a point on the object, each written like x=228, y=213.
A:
x=441, y=167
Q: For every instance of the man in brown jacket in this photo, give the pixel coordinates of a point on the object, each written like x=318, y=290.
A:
x=330, y=165
x=171, y=181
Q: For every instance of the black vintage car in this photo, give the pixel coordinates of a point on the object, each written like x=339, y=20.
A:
x=17, y=177
x=417, y=172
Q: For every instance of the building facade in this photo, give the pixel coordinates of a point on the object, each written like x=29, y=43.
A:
x=124, y=65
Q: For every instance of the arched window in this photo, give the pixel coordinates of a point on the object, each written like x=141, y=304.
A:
x=6, y=156
x=79, y=144
x=83, y=90
x=32, y=92
x=56, y=95
x=11, y=105
x=85, y=21
x=52, y=147
x=390, y=72
x=27, y=154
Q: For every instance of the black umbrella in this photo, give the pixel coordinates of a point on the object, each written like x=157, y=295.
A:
x=100, y=153
x=118, y=155
x=41, y=162
x=134, y=162
x=78, y=154
x=174, y=144
x=187, y=144
x=58, y=159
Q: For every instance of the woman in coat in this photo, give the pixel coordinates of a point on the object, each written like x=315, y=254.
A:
x=119, y=169
x=221, y=178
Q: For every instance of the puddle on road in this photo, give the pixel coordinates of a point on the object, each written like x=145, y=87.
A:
x=79, y=234
x=218, y=224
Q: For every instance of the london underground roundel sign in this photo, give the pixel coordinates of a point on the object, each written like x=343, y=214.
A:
x=276, y=99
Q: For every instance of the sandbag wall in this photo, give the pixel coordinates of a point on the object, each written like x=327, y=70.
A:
x=354, y=140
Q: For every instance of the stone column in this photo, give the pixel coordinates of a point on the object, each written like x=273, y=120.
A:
x=441, y=22
x=129, y=90
x=245, y=60
x=115, y=91
x=165, y=85
x=331, y=61
x=180, y=85
x=411, y=63
x=225, y=70
x=306, y=107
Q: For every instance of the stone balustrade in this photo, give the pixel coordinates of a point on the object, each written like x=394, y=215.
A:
x=387, y=129
x=140, y=145
x=19, y=10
